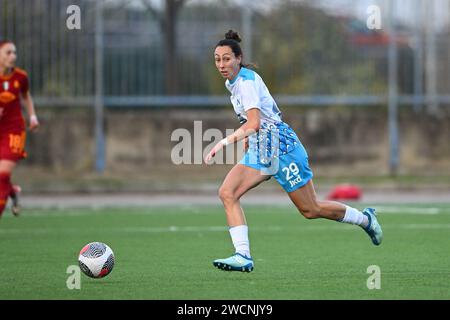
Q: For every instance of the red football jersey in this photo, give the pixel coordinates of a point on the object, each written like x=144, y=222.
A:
x=11, y=86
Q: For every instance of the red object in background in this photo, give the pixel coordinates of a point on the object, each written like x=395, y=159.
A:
x=345, y=192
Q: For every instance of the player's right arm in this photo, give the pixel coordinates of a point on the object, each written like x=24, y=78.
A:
x=247, y=129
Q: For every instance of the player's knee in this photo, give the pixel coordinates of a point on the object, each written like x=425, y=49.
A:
x=226, y=194
x=310, y=212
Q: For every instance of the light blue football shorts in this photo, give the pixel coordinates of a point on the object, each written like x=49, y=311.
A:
x=290, y=168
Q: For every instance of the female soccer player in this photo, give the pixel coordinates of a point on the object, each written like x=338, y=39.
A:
x=273, y=150
x=13, y=87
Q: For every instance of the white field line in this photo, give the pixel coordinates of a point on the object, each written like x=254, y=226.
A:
x=279, y=228
x=53, y=212
x=198, y=229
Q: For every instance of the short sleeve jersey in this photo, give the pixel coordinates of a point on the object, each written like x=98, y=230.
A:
x=249, y=91
x=11, y=86
x=274, y=136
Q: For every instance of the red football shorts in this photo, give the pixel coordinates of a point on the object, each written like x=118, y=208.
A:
x=12, y=145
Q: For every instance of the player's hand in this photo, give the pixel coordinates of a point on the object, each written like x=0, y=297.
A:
x=222, y=143
x=213, y=152
x=34, y=122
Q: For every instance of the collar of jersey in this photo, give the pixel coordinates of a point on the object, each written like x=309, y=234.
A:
x=237, y=76
x=9, y=75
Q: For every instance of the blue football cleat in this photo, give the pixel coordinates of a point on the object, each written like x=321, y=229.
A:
x=373, y=229
x=236, y=262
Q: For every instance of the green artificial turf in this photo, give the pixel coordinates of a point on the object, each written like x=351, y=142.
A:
x=167, y=253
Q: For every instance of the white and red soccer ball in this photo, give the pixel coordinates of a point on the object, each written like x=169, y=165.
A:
x=96, y=260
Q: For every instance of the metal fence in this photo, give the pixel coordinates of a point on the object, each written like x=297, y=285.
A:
x=309, y=51
x=147, y=53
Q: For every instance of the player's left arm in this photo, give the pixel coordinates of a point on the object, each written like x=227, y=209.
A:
x=29, y=106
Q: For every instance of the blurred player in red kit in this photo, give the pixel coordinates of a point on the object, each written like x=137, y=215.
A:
x=13, y=90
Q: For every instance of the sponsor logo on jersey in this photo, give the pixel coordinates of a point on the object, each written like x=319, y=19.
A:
x=7, y=97
x=295, y=181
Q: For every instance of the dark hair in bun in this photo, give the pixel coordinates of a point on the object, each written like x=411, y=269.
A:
x=232, y=35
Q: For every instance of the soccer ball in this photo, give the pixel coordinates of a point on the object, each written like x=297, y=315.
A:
x=96, y=260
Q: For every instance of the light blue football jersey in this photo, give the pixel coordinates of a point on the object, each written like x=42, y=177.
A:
x=275, y=137
x=249, y=91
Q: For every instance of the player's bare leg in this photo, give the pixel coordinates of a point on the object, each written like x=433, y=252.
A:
x=305, y=200
x=238, y=181
x=15, y=206
x=6, y=168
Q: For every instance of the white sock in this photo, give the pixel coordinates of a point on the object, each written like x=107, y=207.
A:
x=239, y=236
x=354, y=216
